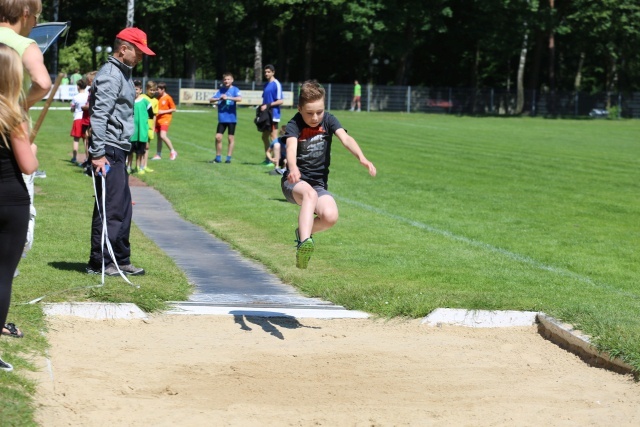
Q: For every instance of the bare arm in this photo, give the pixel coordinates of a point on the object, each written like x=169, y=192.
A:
x=353, y=147
x=33, y=63
x=273, y=104
x=23, y=150
x=276, y=103
x=292, y=154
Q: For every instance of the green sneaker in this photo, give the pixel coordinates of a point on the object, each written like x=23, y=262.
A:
x=304, y=252
x=298, y=236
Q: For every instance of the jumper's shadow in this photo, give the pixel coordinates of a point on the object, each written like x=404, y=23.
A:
x=268, y=324
x=69, y=266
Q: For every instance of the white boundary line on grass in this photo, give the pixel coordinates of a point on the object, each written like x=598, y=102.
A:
x=475, y=243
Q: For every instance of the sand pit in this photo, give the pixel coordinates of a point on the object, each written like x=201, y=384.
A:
x=246, y=371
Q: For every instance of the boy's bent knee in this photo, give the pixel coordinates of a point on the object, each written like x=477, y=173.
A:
x=330, y=218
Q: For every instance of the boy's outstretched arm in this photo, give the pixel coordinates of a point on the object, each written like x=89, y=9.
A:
x=353, y=147
x=292, y=154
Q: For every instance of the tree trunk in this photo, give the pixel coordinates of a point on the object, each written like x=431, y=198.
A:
x=257, y=61
x=475, y=73
x=578, y=80
x=405, y=59
x=54, y=47
x=283, y=70
x=190, y=67
x=521, y=64
x=612, y=78
x=372, y=49
x=308, y=46
x=534, y=76
x=552, y=59
x=145, y=58
x=130, y=12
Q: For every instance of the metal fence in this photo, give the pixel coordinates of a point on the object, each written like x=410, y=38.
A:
x=410, y=99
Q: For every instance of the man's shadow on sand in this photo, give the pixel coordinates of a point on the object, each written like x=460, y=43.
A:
x=268, y=324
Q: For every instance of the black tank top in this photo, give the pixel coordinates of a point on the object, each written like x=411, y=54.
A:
x=13, y=190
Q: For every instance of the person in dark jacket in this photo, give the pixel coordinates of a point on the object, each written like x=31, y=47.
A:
x=111, y=106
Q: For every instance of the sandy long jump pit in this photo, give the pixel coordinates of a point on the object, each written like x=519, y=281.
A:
x=174, y=370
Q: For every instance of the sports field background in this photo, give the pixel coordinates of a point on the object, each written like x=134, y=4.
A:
x=478, y=213
x=527, y=214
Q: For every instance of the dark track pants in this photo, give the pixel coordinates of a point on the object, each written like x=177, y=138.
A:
x=14, y=221
x=119, y=211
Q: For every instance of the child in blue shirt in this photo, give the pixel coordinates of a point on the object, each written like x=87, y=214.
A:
x=226, y=97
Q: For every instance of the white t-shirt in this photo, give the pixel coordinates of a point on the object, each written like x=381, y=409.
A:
x=77, y=103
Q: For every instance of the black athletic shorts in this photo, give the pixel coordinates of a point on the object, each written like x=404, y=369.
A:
x=224, y=126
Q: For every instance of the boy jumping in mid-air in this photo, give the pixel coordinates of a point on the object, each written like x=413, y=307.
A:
x=308, y=138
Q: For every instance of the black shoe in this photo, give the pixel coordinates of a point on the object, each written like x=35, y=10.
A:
x=93, y=270
x=4, y=366
x=109, y=270
x=131, y=270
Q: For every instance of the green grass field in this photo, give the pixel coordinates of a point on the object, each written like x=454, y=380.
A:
x=479, y=213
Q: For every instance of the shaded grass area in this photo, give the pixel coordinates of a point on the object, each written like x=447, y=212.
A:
x=519, y=214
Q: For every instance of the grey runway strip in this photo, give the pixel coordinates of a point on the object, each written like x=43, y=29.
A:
x=221, y=276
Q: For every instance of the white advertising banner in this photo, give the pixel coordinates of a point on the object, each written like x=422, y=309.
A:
x=249, y=97
x=64, y=93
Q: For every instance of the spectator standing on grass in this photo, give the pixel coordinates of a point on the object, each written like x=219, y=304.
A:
x=86, y=118
x=150, y=95
x=17, y=157
x=77, y=132
x=272, y=99
x=277, y=154
x=308, y=137
x=75, y=77
x=142, y=113
x=17, y=19
x=112, y=101
x=166, y=108
x=226, y=97
x=357, y=95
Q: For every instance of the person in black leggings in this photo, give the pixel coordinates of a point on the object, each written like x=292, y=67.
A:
x=17, y=156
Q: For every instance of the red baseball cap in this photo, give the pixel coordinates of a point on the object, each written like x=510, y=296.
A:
x=136, y=37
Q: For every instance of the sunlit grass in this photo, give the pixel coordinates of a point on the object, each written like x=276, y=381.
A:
x=520, y=214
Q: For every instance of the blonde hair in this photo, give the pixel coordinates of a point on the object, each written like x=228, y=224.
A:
x=13, y=109
x=12, y=10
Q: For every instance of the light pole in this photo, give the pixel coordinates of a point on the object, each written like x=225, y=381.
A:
x=100, y=49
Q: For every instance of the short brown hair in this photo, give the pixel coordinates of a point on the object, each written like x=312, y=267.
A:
x=90, y=77
x=310, y=91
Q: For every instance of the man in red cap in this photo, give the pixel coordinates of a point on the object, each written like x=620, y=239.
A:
x=111, y=107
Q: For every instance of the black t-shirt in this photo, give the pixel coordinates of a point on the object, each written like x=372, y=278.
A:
x=314, y=147
x=13, y=190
